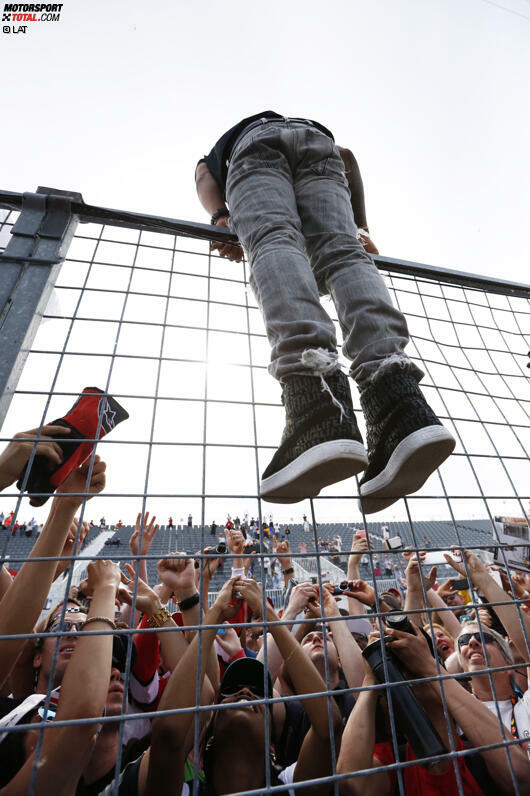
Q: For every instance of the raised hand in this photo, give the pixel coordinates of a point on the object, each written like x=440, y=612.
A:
x=362, y=592
x=101, y=572
x=251, y=593
x=228, y=603
x=413, y=651
x=229, y=641
x=148, y=534
x=412, y=572
x=475, y=567
x=300, y=597
x=331, y=607
x=16, y=455
x=76, y=482
x=430, y=579
x=360, y=546
x=235, y=541
x=68, y=549
x=283, y=551
x=177, y=572
x=147, y=601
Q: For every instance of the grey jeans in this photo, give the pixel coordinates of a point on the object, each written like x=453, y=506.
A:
x=290, y=207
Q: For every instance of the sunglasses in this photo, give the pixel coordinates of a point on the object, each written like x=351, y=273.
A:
x=466, y=638
x=66, y=625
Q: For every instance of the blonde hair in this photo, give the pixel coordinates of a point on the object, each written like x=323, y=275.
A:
x=438, y=626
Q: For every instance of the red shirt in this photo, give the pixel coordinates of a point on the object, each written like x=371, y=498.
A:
x=419, y=781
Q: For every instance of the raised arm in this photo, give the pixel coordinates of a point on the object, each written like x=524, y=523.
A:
x=357, y=747
x=416, y=590
x=506, y=611
x=21, y=605
x=351, y=659
x=314, y=759
x=91, y=667
x=16, y=455
x=300, y=597
x=169, y=750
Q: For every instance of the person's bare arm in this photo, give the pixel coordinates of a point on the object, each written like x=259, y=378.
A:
x=22, y=603
x=506, y=611
x=351, y=659
x=415, y=597
x=168, y=751
x=91, y=666
x=6, y=579
x=355, y=184
x=147, y=531
x=212, y=199
x=447, y=618
x=314, y=759
x=359, y=548
x=299, y=599
x=302, y=673
x=208, y=190
x=16, y=455
x=357, y=746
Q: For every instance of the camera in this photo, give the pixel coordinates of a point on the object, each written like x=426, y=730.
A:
x=412, y=719
x=398, y=621
x=340, y=588
x=220, y=549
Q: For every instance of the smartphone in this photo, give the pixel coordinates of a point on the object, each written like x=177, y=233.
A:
x=461, y=585
x=221, y=631
x=433, y=558
x=361, y=533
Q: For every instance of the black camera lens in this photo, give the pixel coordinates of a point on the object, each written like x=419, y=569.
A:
x=344, y=585
x=398, y=621
x=411, y=717
x=221, y=547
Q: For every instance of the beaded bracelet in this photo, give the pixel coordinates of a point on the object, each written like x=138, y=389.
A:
x=106, y=619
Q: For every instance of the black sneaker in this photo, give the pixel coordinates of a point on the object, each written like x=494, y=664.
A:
x=320, y=444
x=406, y=441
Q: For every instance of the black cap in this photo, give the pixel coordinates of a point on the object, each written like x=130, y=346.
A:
x=244, y=673
x=119, y=652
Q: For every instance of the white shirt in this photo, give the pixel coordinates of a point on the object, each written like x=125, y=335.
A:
x=521, y=714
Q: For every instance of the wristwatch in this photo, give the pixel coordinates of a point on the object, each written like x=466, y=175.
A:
x=220, y=213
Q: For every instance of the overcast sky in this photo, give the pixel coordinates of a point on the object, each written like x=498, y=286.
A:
x=118, y=100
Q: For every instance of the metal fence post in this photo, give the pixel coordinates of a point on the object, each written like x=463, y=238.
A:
x=29, y=268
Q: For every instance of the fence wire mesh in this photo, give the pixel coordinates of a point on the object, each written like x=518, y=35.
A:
x=174, y=334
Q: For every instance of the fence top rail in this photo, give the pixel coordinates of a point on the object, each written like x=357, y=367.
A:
x=122, y=218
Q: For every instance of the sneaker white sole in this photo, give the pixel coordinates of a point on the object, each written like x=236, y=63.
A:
x=410, y=465
x=313, y=470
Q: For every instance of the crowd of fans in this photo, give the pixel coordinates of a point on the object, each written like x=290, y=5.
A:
x=115, y=691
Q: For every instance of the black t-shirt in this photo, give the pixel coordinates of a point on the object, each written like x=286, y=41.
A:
x=217, y=159
x=132, y=752
x=297, y=724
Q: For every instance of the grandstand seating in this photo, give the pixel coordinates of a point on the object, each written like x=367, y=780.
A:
x=190, y=539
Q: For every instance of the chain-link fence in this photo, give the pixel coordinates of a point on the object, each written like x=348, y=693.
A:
x=138, y=312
